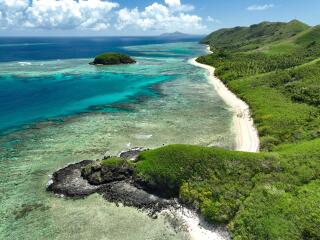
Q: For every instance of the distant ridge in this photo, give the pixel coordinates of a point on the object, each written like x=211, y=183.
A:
x=177, y=34
x=262, y=33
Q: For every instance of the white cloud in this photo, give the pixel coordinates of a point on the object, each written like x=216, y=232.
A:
x=57, y=14
x=12, y=12
x=169, y=17
x=173, y=3
x=260, y=7
x=97, y=15
x=213, y=20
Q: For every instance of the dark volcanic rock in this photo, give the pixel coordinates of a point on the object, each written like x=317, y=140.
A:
x=129, y=195
x=115, y=182
x=109, y=174
x=131, y=154
x=114, y=178
x=68, y=181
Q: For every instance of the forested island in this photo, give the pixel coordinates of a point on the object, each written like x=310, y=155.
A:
x=112, y=59
x=274, y=194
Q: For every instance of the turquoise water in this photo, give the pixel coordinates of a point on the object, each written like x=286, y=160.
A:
x=42, y=90
x=89, y=112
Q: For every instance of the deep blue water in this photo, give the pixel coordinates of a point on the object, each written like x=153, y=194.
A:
x=43, y=78
x=29, y=48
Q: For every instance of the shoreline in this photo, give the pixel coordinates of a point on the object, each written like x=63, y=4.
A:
x=197, y=227
x=70, y=182
x=194, y=224
x=247, y=138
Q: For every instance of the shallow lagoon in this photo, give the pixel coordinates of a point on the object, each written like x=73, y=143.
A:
x=161, y=100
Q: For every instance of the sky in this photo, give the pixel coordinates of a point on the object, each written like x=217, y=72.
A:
x=144, y=17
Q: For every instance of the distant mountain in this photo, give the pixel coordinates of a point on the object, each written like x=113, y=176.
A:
x=176, y=35
x=262, y=33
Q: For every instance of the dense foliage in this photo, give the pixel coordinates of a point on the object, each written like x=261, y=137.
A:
x=274, y=194
x=260, y=196
x=254, y=36
x=214, y=180
x=289, y=81
x=113, y=58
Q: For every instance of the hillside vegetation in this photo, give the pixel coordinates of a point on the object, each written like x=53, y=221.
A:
x=259, y=195
x=280, y=79
x=274, y=194
x=244, y=38
x=282, y=89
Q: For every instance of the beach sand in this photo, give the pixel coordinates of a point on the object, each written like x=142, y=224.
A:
x=198, y=228
x=247, y=138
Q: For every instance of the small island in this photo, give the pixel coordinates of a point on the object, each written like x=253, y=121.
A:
x=112, y=59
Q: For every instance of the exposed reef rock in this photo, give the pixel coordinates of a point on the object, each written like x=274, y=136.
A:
x=112, y=177
x=112, y=59
x=131, y=154
x=68, y=181
x=130, y=195
x=110, y=170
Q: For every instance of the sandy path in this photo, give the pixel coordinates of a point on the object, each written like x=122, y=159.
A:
x=247, y=138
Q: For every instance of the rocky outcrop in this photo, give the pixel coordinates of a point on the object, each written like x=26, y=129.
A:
x=129, y=194
x=69, y=182
x=131, y=154
x=113, y=178
x=98, y=174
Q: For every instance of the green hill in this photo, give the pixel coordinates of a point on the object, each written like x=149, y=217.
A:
x=311, y=36
x=280, y=79
x=254, y=36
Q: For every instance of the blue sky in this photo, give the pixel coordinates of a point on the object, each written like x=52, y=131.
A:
x=145, y=17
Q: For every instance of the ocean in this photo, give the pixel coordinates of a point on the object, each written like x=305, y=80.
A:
x=56, y=109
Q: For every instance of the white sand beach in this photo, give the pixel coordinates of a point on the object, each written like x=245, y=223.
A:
x=247, y=138
x=198, y=228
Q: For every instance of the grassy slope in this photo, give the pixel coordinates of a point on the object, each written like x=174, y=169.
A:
x=274, y=194
x=255, y=36
x=214, y=180
x=283, y=90
x=261, y=196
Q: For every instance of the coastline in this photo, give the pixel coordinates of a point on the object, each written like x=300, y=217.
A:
x=193, y=222
x=197, y=227
x=247, y=138
x=70, y=182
